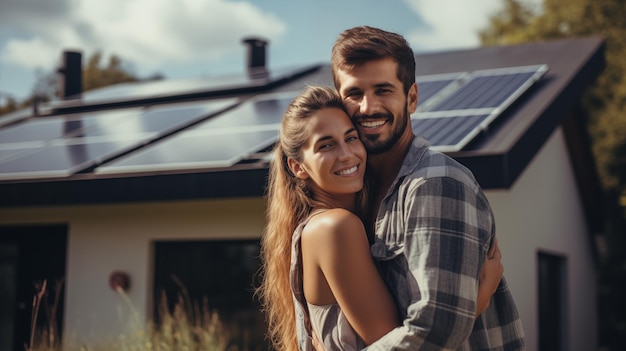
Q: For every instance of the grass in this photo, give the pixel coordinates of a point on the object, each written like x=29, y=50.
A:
x=44, y=336
x=185, y=327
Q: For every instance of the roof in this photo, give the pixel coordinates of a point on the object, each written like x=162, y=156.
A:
x=497, y=154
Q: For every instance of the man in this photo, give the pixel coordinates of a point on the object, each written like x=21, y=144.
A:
x=431, y=222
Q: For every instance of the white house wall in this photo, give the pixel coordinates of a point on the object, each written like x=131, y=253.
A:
x=103, y=239
x=543, y=212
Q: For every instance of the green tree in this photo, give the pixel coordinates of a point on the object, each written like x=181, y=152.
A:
x=604, y=104
x=9, y=105
x=95, y=75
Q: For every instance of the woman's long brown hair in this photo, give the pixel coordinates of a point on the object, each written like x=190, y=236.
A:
x=288, y=204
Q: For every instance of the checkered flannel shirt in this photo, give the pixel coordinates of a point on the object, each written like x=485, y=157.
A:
x=432, y=234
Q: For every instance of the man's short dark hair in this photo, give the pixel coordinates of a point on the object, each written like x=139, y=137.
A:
x=358, y=45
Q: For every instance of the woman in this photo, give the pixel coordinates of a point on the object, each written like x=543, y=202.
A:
x=315, y=249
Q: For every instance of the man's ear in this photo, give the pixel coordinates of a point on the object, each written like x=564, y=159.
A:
x=297, y=169
x=412, y=98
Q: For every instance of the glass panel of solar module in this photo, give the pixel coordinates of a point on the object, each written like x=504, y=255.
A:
x=58, y=146
x=220, y=141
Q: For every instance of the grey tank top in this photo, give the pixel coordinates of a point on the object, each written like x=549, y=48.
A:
x=328, y=322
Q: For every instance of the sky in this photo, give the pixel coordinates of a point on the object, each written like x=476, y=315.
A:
x=197, y=38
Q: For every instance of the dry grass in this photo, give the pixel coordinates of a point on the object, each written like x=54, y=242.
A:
x=186, y=327
x=44, y=337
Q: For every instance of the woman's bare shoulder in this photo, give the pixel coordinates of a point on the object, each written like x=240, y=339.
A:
x=326, y=225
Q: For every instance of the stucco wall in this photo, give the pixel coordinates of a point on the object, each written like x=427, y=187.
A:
x=542, y=212
x=102, y=239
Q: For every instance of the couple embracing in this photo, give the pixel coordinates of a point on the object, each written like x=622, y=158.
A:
x=374, y=241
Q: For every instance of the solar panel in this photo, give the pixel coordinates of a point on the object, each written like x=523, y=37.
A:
x=463, y=109
x=34, y=130
x=60, y=146
x=8, y=153
x=44, y=129
x=165, y=120
x=448, y=133
x=261, y=110
x=193, y=151
x=20, y=144
x=220, y=141
x=490, y=88
x=62, y=159
x=431, y=85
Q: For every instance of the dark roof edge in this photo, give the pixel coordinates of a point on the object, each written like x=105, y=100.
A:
x=227, y=183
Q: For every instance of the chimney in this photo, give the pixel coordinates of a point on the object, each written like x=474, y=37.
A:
x=256, y=57
x=71, y=74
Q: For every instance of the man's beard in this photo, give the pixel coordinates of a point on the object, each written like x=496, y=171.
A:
x=375, y=146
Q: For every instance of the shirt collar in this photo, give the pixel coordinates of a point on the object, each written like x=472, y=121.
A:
x=418, y=148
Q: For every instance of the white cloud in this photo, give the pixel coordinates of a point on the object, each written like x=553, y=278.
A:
x=145, y=32
x=31, y=53
x=453, y=23
x=450, y=23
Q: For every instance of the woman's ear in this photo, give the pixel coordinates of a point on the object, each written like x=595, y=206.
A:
x=297, y=169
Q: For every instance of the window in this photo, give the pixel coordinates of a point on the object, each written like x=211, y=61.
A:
x=219, y=275
x=28, y=256
x=552, y=302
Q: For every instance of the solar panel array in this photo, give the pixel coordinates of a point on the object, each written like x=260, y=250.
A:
x=453, y=109
x=463, y=107
x=220, y=141
x=50, y=147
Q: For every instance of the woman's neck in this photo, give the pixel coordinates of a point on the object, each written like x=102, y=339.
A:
x=327, y=201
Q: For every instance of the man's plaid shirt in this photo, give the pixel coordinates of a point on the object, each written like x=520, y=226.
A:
x=432, y=234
